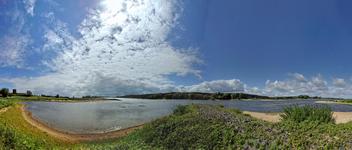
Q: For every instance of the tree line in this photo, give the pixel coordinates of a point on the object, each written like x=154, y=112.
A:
x=5, y=92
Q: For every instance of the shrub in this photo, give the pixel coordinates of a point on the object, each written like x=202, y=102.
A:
x=4, y=92
x=29, y=93
x=180, y=110
x=5, y=103
x=312, y=113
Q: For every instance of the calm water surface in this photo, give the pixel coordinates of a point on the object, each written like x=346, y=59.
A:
x=104, y=116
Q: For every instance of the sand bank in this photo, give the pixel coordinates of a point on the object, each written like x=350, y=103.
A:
x=340, y=117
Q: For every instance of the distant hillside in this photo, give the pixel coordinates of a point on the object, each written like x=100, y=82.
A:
x=211, y=96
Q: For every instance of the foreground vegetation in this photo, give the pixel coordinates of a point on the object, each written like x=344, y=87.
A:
x=199, y=127
x=308, y=113
x=208, y=127
x=5, y=103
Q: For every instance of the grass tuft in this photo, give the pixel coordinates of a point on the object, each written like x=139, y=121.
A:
x=5, y=103
x=308, y=113
x=180, y=110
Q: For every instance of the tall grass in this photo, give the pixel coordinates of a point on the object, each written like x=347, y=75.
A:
x=180, y=110
x=5, y=103
x=310, y=113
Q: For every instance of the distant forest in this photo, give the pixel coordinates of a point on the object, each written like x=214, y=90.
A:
x=212, y=96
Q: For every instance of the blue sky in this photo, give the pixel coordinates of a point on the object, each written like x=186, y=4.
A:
x=117, y=47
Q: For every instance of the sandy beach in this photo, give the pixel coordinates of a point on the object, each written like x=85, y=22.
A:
x=340, y=117
x=270, y=117
x=75, y=137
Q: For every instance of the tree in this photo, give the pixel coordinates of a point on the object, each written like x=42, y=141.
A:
x=4, y=92
x=29, y=93
x=14, y=91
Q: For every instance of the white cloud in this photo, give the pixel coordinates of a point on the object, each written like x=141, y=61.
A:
x=298, y=84
x=316, y=86
x=299, y=77
x=122, y=49
x=29, y=6
x=15, y=41
x=12, y=49
x=338, y=82
x=233, y=85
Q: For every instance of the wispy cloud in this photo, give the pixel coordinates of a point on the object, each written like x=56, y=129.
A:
x=29, y=6
x=12, y=50
x=13, y=44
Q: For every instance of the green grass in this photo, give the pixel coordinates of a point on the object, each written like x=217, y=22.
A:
x=16, y=133
x=5, y=103
x=344, y=101
x=310, y=113
x=209, y=127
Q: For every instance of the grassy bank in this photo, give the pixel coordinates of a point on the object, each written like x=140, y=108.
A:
x=199, y=127
x=206, y=127
x=5, y=103
x=16, y=133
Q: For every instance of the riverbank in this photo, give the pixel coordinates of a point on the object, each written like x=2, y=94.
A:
x=189, y=127
x=75, y=137
x=333, y=102
x=340, y=117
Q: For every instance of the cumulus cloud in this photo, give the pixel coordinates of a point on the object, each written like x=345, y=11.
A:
x=233, y=85
x=122, y=49
x=297, y=85
x=29, y=6
x=316, y=86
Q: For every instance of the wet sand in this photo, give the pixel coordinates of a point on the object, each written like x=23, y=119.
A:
x=75, y=137
x=340, y=117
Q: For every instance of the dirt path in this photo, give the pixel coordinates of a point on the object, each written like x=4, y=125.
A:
x=75, y=137
x=340, y=117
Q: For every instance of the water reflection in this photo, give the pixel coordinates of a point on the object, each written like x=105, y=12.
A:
x=96, y=117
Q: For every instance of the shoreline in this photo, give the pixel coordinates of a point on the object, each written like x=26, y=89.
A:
x=340, y=117
x=70, y=137
x=73, y=101
x=332, y=102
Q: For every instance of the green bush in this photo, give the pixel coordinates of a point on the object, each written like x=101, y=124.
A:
x=5, y=103
x=180, y=110
x=311, y=113
x=4, y=92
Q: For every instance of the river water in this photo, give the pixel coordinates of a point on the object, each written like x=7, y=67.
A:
x=111, y=115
